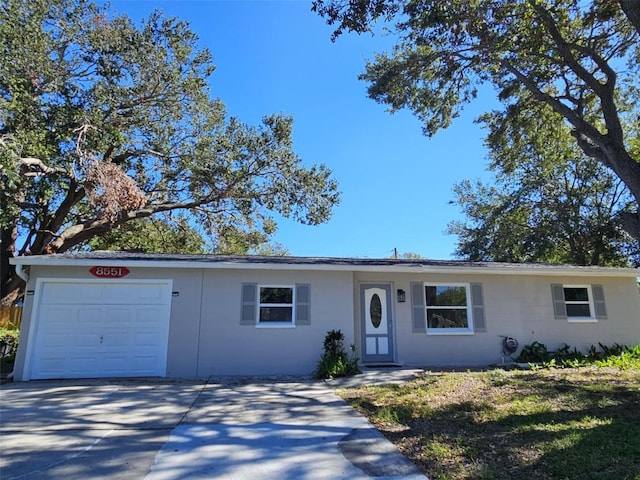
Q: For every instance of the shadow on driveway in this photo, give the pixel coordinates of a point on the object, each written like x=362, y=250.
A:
x=189, y=429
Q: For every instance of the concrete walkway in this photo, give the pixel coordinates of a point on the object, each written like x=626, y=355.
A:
x=164, y=430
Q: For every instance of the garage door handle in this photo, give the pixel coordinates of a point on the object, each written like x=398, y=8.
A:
x=101, y=338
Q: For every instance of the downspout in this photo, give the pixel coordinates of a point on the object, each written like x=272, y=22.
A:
x=21, y=273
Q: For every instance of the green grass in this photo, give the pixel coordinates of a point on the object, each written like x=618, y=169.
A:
x=547, y=424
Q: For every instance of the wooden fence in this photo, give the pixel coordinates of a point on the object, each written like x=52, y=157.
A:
x=10, y=317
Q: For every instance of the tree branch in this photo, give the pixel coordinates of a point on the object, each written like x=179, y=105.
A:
x=54, y=221
x=33, y=167
x=565, y=50
x=81, y=232
x=576, y=120
x=604, y=91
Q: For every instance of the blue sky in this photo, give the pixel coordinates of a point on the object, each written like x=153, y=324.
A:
x=277, y=56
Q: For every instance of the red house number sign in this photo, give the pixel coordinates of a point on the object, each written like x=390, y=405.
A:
x=109, y=272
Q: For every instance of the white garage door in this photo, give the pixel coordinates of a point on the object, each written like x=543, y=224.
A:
x=101, y=329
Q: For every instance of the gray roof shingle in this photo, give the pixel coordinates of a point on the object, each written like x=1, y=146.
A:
x=218, y=261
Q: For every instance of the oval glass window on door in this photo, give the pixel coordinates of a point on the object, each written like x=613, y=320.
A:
x=375, y=310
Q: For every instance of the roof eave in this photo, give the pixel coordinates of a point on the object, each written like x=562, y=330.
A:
x=578, y=271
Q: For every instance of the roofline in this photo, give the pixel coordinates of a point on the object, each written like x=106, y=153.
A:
x=335, y=264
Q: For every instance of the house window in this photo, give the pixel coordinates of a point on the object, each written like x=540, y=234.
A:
x=578, y=303
x=281, y=306
x=577, y=299
x=448, y=309
x=276, y=305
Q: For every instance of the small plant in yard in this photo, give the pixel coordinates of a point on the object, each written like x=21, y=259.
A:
x=535, y=352
x=335, y=361
x=616, y=355
x=9, y=346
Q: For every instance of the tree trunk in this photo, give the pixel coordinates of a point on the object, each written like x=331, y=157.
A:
x=631, y=224
x=631, y=9
x=628, y=170
x=10, y=286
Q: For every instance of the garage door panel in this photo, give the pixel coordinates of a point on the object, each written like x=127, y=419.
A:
x=69, y=293
x=116, y=364
x=60, y=315
x=115, y=315
x=144, y=363
x=148, y=315
x=80, y=366
x=47, y=363
x=106, y=293
x=81, y=341
x=154, y=295
x=145, y=339
x=86, y=317
x=136, y=294
x=101, y=329
x=55, y=340
x=111, y=340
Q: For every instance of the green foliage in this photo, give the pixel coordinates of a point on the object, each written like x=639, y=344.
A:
x=152, y=235
x=549, y=202
x=578, y=58
x=533, y=353
x=625, y=359
x=616, y=355
x=12, y=337
x=104, y=121
x=335, y=362
x=406, y=255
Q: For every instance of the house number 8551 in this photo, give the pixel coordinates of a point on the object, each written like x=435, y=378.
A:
x=109, y=272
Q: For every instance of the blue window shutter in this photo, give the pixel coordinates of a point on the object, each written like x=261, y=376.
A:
x=598, y=302
x=477, y=305
x=248, y=309
x=559, y=307
x=303, y=304
x=419, y=310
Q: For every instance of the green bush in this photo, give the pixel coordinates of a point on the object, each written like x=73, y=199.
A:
x=335, y=361
x=535, y=352
x=10, y=336
x=616, y=355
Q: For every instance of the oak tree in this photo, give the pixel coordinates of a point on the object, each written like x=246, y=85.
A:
x=105, y=121
x=580, y=58
x=548, y=203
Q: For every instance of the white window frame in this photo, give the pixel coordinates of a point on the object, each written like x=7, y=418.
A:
x=450, y=331
x=292, y=305
x=592, y=311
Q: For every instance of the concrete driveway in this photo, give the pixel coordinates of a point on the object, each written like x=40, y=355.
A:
x=163, y=430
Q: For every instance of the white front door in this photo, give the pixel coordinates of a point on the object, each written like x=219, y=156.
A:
x=377, y=324
x=89, y=328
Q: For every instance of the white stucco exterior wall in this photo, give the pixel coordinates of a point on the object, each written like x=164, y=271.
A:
x=519, y=306
x=206, y=337
x=226, y=347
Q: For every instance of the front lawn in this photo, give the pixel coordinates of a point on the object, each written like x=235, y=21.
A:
x=581, y=423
